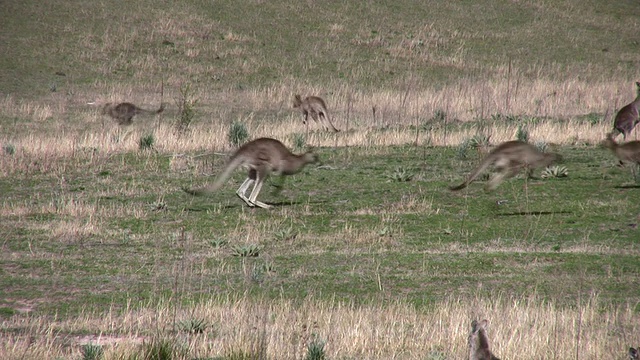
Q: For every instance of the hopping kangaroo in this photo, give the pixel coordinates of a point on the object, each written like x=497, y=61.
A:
x=627, y=152
x=510, y=158
x=479, y=343
x=627, y=118
x=316, y=107
x=262, y=157
x=123, y=113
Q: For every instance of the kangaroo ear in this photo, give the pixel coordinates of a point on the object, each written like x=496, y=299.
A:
x=474, y=325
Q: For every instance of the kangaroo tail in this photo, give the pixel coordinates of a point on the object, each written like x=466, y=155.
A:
x=327, y=117
x=330, y=123
x=233, y=164
x=145, y=111
x=485, y=164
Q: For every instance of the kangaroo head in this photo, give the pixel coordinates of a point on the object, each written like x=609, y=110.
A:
x=297, y=101
x=608, y=142
x=552, y=157
x=106, y=107
x=310, y=157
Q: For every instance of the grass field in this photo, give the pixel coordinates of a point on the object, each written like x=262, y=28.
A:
x=365, y=256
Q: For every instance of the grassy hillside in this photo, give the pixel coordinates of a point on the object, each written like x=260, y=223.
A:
x=227, y=45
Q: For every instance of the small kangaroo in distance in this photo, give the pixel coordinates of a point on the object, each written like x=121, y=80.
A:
x=262, y=157
x=627, y=152
x=316, y=107
x=479, y=342
x=627, y=117
x=123, y=113
x=510, y=158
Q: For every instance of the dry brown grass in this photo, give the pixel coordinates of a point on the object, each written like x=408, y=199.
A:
x=522, y=328
x=61, y=130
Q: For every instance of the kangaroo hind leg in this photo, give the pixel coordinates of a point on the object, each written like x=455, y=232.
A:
x=261, y=176
x=242, y=190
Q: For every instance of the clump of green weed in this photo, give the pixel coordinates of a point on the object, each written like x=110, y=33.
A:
x=479, y=141
x=194, y=326
x=436, y=355
x=299, y=141
x=92, y=352
x=238, y=134
x=9, y=149
x=594, y=118
x=218, y=243
x=439, y=116
x=401, y=174
x=315, y=349
x=239, y=355
x=186, y=109
x=522, y=134
x=285, y=234
x=501, y=118
x=268, y=267
x=462, y=152
x=159, y=205
x=146, y=142
x=554, y=172
x=542, y=146
x=250, y=250
x=162, y=349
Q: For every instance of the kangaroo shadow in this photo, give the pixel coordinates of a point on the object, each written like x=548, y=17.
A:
x=634, y=186
x=240, y=204
x=524, y=213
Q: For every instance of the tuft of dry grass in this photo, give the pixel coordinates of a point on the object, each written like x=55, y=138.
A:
x=58, y=130
x=520, y=328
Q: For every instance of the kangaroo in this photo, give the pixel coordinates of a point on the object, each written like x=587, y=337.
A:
x=479, y=343
x=316, y=107
x=627, y=152
x=123, y=113
x=627, y=117
x=509, y=158
x=262, y=157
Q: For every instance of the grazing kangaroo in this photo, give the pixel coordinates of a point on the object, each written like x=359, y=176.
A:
x=316, y=107
x=509, y=158
x=479, y=343
x=123, y=113
x=262, y=156
x=627, y=118
x=627, y=152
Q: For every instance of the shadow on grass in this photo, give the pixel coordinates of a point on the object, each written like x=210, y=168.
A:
x=524, y=213
x=242, y=204
x=630, y=186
